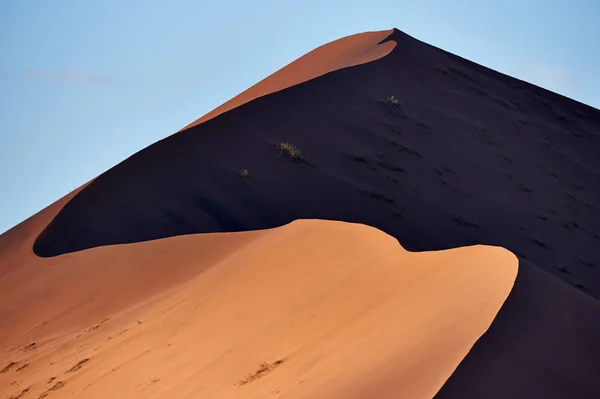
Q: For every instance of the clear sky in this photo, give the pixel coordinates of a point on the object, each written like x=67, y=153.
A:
x=85, y=84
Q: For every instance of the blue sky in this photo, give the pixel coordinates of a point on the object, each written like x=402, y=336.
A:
x=85, y=84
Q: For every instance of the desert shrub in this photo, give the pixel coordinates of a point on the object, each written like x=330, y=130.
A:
x=293, y=152
x=391, y=100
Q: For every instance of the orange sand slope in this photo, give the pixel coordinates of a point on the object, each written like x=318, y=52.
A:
x=332, y=309
x=342, y=53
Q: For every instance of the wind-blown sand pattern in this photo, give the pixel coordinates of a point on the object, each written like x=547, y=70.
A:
x=200, y=267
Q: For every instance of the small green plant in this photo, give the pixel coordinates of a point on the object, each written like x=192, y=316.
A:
x=244, y=174
x=393, y=104
x=293, y=152
x=391, y=100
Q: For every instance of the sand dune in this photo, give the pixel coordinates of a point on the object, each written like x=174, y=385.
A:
x=544, y=343
x=75, y=290
x=468, y=156
x=346, y=309
x=112, y=290
x=342, y=53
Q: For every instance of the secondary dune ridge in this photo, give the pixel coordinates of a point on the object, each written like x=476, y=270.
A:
x=304, y=297
x=459, y=155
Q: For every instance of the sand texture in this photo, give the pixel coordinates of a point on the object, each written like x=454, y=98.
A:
x=378, y=219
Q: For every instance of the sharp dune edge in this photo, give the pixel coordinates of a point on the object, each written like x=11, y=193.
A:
x=313, y=308
x=466, y=155
x=342, y=53
x=347, y=310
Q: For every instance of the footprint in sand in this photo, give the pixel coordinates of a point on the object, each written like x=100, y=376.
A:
x=8, y=367
x=77, y=366
x=30, y=347
x=19, y=395
x=54, y=387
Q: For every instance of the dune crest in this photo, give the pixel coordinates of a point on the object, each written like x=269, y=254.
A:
x=460, y=155
x=342, y=53
x=291, y=315
x=112, y=290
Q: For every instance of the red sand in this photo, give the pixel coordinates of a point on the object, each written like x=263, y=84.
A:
x=342, y=53
x=469, y=155
x=309, y=293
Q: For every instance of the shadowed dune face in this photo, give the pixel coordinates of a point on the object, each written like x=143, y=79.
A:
x=460, y=155
x=47, y=297
x=544, y=343
x=302, y=299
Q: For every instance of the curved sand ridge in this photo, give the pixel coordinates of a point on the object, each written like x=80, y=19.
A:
x=342, y=53
x=113, y=304
x=336, y=310
x=470, y=156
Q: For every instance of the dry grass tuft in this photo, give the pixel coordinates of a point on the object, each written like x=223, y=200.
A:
x=264, y=369
x=391, y=100
x=289, y=149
